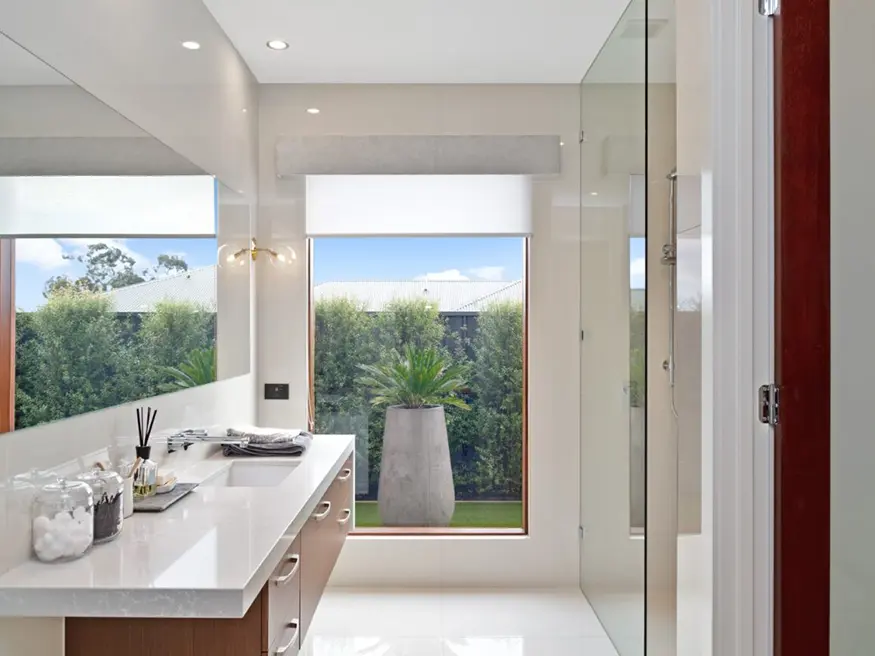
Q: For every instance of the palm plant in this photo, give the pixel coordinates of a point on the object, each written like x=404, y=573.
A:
x=419, y=378
x=198, y=369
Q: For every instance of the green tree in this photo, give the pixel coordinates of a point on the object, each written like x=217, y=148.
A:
x=345, y=340
x=498, y=387
x=109, y=267
x=414, y=322
x=74, y=359
x=198, y=369
x=167, y=336
x=168, y=265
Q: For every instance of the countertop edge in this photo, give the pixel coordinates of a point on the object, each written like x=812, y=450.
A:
x=217, y=603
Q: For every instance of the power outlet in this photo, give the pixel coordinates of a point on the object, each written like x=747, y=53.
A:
x=276, y=391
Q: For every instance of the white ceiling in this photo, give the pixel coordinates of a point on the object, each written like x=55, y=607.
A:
x=19, y=67
x=419, y=41
x=622, y=60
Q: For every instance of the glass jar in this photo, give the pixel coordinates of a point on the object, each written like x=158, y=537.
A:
x=107, y=487
x=37, y=478
x=24, y=487
x=63, y=521
x=147, y=473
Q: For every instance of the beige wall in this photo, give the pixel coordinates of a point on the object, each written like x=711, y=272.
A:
x=549, y=556
x=693, y=51
x=852, y=271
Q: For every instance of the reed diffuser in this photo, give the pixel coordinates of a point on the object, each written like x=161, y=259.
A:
x=147, y=473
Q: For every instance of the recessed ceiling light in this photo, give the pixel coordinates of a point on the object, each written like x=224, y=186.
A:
x=245, y=110
x=191, y=45
x=313, y=110
x=593, y=193
x=561, y=143
x=277, y=44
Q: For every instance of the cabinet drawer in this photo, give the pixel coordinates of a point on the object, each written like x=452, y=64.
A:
x=323, y=537
x=289, y=641
x=284, y=602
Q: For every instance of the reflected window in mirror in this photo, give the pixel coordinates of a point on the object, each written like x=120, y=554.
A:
x=104, y=321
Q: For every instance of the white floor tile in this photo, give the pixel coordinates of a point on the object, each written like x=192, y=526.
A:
x=319, y=645
x=456, y=623
x=405, y=613
x=518, y=613
x=518, y=646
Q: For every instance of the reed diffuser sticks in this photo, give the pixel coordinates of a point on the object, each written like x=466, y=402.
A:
x=145, y=423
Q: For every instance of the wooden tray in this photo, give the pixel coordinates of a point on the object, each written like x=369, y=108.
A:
x=161, y=502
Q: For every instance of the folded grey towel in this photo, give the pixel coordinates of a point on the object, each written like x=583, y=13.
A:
x=283, y=446
x=255, y=435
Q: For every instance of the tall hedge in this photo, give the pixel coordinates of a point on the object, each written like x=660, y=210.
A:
x=75, y=354
x=70, y=359
x=498, y=387
x=485, y=444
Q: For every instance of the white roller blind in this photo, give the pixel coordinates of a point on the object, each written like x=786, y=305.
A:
x=183, y=205
x=362, y=205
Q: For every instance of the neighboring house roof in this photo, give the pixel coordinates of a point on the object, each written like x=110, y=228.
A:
x=448, y=295
x=199, y=286
x=196, y=286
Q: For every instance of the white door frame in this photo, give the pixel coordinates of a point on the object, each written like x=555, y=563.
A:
x=742, y=317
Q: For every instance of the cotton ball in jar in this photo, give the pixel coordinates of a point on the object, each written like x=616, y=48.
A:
x=41, y=526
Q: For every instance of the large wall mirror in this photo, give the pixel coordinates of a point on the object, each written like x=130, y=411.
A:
x=124, y=269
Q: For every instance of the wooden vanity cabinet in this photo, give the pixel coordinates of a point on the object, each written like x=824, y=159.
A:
x=274, y=625
x=323, y=537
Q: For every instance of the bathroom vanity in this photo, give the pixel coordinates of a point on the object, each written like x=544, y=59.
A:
x=236, y=569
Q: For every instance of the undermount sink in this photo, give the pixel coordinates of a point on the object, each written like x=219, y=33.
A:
x=251, y=474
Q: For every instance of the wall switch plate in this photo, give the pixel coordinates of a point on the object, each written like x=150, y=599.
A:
x=276, y=391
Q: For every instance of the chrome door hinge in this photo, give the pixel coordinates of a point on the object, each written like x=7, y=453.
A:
x=769, y=404
x=581, y=531
x=582, y=335
x=582, y=137
x=768, y=8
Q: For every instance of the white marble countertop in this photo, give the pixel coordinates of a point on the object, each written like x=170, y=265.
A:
x=209, y=555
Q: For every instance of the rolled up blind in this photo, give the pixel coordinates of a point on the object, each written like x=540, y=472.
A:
x=98, y=206
x=418, y=205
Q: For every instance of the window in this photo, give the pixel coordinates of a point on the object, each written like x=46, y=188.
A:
x=637, y=384
x=379, y=305
x=101, y=322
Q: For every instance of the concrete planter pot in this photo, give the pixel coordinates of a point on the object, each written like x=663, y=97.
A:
x=416, y=476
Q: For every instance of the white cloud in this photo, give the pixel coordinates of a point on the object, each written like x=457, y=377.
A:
x=449, y=274
x=487, y=272
x=637, y=273
x=47, y=254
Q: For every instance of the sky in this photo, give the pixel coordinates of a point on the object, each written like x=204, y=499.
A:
x=417, y=258
x=37, y=260
x=335, y=259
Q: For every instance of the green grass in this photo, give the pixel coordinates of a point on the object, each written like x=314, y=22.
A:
x=469, y=514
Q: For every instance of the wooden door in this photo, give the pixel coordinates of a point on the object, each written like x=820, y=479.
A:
x=802, y=328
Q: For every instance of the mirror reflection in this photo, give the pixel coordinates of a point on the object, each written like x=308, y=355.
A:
x=108, y=253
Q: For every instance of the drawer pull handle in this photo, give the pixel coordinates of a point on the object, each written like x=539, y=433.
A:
x=292, y=641
x=319, y=516
x=345, y=515
x=285, y=578
x=344, y=475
